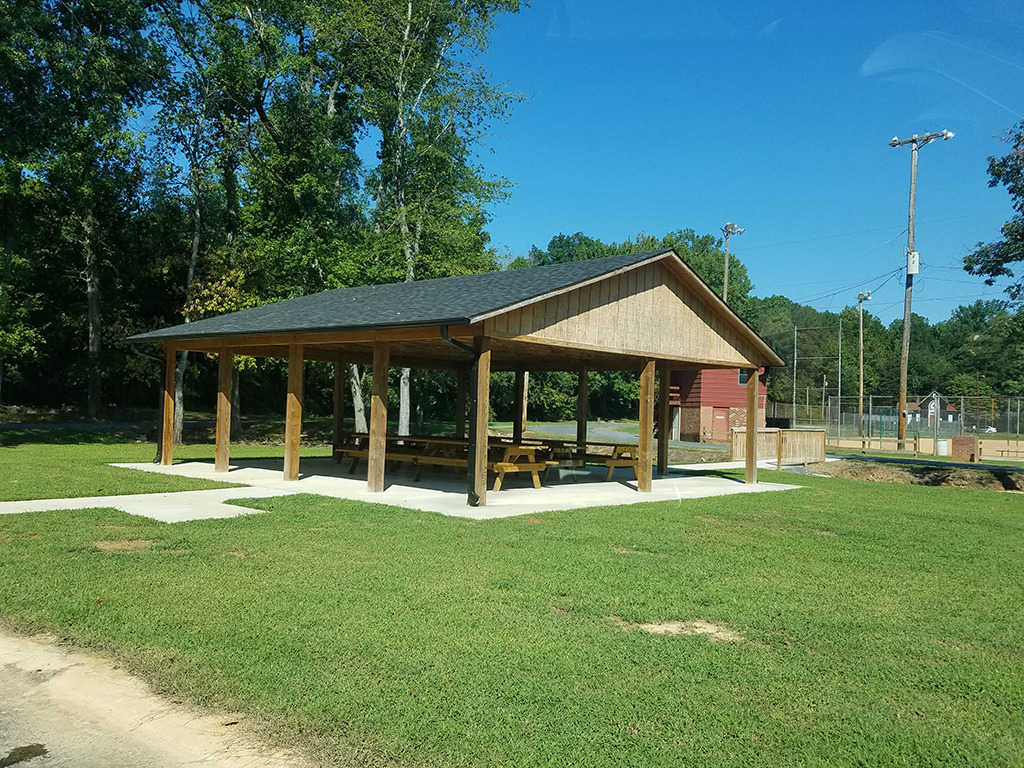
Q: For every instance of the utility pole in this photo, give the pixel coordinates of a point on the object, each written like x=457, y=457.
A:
x=913, y=262
x=861, y=298
x=729, y=230
x=839, y=386
x=793, y=425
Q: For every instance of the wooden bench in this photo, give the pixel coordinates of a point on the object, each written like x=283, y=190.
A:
x=438, y=461
x=622, y=456
x=1007, y=452
x=395, y=457
x=501, y=468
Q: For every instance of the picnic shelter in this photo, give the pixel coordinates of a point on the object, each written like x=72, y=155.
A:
x=647, y=312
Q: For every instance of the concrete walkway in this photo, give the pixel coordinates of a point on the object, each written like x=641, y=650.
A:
x=444, y=493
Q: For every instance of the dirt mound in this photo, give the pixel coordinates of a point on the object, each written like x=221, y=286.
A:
x=915, y=474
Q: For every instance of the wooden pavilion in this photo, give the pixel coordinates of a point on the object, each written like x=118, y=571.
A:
x=644, y=311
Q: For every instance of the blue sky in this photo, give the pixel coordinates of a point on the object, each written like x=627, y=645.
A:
x=650, y=116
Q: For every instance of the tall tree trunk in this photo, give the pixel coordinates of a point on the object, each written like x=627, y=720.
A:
x=179, y=396
x=179, y=371
x=355, y=381
x=230, y=172
x=236, y=419
x=404, y=401
x=10, y=225
x=92, y=293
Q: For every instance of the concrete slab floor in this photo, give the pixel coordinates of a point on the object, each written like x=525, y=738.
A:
x=443, y=492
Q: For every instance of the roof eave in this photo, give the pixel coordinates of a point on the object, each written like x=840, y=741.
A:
x=160, y=337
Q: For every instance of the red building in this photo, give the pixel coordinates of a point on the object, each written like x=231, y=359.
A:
x=706, y=404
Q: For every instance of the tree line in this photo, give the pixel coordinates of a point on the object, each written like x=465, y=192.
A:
x=166, y=161
x=162, y=162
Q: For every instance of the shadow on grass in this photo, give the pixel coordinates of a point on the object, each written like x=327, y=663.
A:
x=12, y=438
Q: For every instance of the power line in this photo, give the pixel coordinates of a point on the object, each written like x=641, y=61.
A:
x=868, y=231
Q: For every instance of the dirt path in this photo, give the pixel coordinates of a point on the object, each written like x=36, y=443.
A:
x=69, y=709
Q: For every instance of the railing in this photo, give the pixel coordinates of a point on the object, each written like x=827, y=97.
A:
x=786, y=446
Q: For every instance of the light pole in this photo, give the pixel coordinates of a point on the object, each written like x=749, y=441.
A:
x=729, y=230
x=915, y=142
x=861, y=298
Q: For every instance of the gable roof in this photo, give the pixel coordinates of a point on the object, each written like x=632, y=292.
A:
x=460, y=300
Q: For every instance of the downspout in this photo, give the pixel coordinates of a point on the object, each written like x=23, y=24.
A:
x=474, y=499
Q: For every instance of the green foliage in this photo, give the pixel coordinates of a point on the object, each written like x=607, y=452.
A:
x=431, y=108
x=995, y=259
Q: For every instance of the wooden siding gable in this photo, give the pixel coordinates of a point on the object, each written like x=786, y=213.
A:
x=656, y=310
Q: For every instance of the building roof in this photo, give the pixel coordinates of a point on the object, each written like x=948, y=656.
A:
x=610, y=313
x=460, y=300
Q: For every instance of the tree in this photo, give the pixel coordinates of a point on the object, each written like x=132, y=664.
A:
x=431, y=108
x=186, y=127
x=993, y=260
x=78, y=70
x=566, y=248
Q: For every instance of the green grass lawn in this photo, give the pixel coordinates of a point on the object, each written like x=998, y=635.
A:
x=880, y=624
x=58, y=464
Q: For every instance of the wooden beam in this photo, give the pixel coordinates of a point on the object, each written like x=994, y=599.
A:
x=429, y=333
x=578, y=350
x=519, y=411
x=480, y=410
x=338, y=423
x=460, y=403
x=664, y=426
x=293, y=413
x=582, y=408
x=378, y=417
x=751, y=467
x=644, y=465
x=167, y=427
x=225, y=366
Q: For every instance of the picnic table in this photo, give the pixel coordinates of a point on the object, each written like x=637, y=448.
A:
x=504, y=456
x=519, y=458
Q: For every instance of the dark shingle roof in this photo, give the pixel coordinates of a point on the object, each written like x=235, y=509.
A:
x=459, y=300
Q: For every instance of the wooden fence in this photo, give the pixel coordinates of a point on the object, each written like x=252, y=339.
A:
x=786, y=446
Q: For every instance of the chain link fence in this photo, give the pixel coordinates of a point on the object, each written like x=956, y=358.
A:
x=928, y=416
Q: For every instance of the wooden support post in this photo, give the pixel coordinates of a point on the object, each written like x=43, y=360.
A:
x=751, y=468
x=225, y=366
x=519, y=412
x=582, y=408
x=293, y=413
x=460, y=403
x=339, y=404
x=644, y=465
x=479, y=413
x=167, y=427
x=378, y=417
x=663, y=418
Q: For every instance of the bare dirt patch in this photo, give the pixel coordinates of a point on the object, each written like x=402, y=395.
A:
x=915, y=474
x=126, y=545
x=713, y=632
